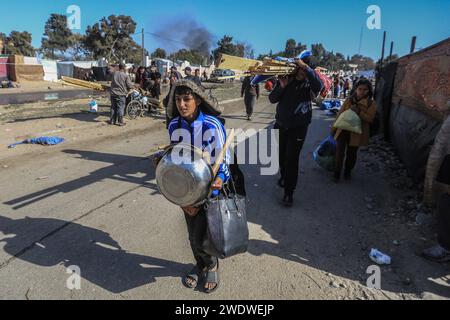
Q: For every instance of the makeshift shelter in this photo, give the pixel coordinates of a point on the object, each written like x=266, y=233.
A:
x=80, y=73
x=19, y=71
x=100, y=73
x=74, y=69
x=3, y=67
x=65, y=68
x=50, y=70
x=30, y=60
x=413, y=101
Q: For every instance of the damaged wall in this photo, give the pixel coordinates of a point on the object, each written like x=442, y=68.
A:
x=414, y=92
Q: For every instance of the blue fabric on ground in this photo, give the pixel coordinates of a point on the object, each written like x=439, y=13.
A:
x=331, y=105
x=45, y=141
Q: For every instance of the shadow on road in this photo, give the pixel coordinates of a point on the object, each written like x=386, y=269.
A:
x=122, y=168
x=100, y=258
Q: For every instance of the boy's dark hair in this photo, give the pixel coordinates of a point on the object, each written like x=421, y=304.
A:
x=181, y=90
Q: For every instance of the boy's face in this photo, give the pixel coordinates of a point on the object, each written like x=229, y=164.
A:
x=187, y=105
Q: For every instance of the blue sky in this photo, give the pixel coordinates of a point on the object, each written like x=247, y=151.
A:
x=266, y=25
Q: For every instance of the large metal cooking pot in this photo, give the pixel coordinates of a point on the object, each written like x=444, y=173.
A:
x=183, y=176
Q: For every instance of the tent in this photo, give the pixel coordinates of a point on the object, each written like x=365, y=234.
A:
x=74, y=69
x=65, y=68
x=50, y=70
x=30, y=60
x=3, y=68
x=100, y=73
x=19, y=71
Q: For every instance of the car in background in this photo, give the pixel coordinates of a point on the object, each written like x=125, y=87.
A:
x=223, y=76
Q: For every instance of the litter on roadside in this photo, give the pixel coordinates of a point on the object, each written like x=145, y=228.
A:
x=379, y=257
x=45, y=141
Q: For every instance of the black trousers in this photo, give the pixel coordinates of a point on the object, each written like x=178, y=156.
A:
x=197, y=229
x=290, y=143
x=117, y=108
x=343, y=150
x=444, y=221
x=249, y=101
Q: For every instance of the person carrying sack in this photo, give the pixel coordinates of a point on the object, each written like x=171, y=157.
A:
x=362, y=104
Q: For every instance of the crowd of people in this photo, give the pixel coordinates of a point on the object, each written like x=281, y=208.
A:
x=188, y=107
x=147, y=80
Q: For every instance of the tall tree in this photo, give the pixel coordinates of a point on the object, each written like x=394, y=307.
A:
x=111, y=37
x=290, y=50
x=18, y=43
x=226, y=46
x=193, y=56
x=364, y=63
x=300, y=48
x=77, y=50
x=134, y=54
x=318, y=53
x=159, y=53
x=57, y=36
x=249, y=52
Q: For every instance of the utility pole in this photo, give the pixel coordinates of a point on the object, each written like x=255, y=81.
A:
x=143, y=49
x=392, y=49
x=384, y=45
x=413, y=44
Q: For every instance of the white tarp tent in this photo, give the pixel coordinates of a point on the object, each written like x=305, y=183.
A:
x=30, y=60
x=84, y=64
x=50, y=70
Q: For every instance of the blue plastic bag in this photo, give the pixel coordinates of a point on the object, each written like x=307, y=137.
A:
x=325, y=154
x=45, y=141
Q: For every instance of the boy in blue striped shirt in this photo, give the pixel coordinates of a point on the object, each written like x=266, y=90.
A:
x=194, y=121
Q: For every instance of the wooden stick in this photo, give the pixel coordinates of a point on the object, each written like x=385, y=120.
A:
x=220, y=157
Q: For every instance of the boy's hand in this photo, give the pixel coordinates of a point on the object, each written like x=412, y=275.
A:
x=217, y=184
x=156, y=158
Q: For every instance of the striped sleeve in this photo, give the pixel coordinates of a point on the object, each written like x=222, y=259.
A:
x=221, y=135
x=172, y=127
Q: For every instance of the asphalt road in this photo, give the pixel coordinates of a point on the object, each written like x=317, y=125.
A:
x=95, y=205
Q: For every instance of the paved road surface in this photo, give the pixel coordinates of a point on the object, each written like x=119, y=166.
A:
x=95, y=205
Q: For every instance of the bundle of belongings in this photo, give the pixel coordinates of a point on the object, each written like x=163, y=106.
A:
x=349, y=121
x=45, y=141
x=325, y=154
x=331, y=107
x=327, y=83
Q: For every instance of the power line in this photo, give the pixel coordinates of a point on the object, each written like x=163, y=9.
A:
x=158, y=36
x=165, y=38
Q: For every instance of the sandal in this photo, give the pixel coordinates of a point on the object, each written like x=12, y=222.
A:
x=212, y=277
x=193, y=275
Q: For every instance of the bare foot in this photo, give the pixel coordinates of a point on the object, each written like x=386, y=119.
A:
x=211, y=286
